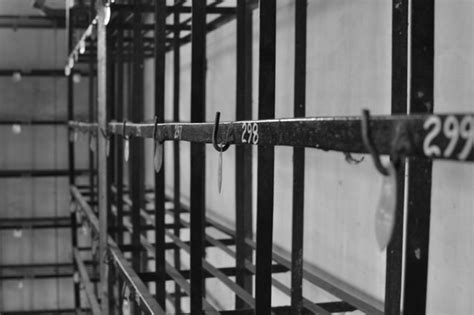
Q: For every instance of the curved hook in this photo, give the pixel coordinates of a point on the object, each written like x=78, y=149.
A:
x=219, y=147
x=105, y=133
x=123, y=130
x=155, y=127
x=367, y=140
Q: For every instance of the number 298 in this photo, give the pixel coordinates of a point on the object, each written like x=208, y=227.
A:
x=250, y=133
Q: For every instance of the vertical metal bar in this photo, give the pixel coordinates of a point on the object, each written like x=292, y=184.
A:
x=92, y=156
x=136, y=113
x=393, y=275
x=298, y=160
x=419, y=170
x=71, y=153
x=266, y=159
x=110, y=155
x=111, y=110
x=91, y=115
x=102, y=154
x=160, y=38
x=119, y=150
x=243, y=154
x=118, y=140
x=176, y=154
x=198, y=153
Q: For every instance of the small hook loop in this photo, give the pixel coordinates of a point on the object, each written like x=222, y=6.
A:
x=105, y=133
x=124, y=129
x=367, y=140
x=222, y=147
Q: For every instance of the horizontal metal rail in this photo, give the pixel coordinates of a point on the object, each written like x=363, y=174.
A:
x=220, y=275
x=65, y=311
x=36, y=271
x=35, y=223
x=318, y=278
x=88, y=286
x=38, y=72
x=172, y=272
x=33, y=122
x=447, y=136
x=144, y=299
x=172, y=9
x=40, y=173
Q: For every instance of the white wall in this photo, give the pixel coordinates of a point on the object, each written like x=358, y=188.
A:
x=451, y=272
x=349, y=68
x=36, y=147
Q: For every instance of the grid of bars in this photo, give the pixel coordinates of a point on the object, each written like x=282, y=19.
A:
x=122, y=46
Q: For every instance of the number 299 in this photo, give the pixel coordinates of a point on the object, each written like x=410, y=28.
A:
x=453, y=129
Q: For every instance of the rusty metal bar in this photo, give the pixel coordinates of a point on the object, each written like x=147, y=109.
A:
x=86, y=282
x=160, y=54
x=198, y=154
x=142, y=296
x=420, y=170
x=176, y=152
x=341, y=134
x=298, y=161
x=102, y=156
x=393, y=274
x=71, y=152
x=243, y=154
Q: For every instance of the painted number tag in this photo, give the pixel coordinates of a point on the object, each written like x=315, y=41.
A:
x=458, y=131
x=250, y=134
x=178, y=131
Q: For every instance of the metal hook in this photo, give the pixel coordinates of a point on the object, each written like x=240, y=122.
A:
x=367, y=140
x=219, y=147
x=351, y=160
x=123, y=130
x=105, y=133
x=155, y=127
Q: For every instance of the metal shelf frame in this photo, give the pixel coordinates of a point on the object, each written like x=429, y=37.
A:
x=117, y=51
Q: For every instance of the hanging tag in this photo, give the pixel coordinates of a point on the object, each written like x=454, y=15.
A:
x=126, y=303
x=85, y=230
x=75, y=277
x=74, y=136
x=126, y=149
x=17, y=233
x=16, y=129
x=158, y=158
x=106, y=14
x=219, y=172
x=92, y=144
x=95, y=246
x=125, y=307
x=107, y=146
x=385, y=214
x=20, y=284
x=72, y=207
